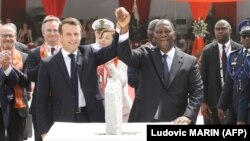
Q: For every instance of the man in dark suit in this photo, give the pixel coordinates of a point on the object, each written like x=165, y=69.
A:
x=235, y=92
x=51, y=40
x=212, y=72
x=68, y=80
x=171, y=88
x=18, y=99
x=7, y=82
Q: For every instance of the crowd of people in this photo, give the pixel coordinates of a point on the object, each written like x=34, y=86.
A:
x=68, y=77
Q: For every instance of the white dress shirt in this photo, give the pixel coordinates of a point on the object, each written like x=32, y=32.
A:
x=67, y=60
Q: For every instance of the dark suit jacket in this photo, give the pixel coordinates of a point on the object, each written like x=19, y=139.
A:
x=6, y=84
x=32, y=68
x=54, y=80
x=210, y=72
x=185, y=82
x=24, y=82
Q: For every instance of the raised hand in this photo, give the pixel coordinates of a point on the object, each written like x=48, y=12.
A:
x=122, y=18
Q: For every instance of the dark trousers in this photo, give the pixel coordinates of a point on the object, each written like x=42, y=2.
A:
x=213, y=118
x=16, y=126
x=82, y=117
x=37, y=136
x=2, y=129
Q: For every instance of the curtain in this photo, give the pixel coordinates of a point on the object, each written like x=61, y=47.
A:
x=230, y=15
x=14, y=10
x=143, y=7
x=127, y=4
x=199, y=11
x=53, y=7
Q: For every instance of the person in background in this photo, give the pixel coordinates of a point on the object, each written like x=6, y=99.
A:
x=236, y=90
x=50, y=46
x=213, y=70
x=69, y=80
x=133, y=74
x=90, y=33
x=18, y=101
x=25, y=34
x=7, y=81
x=98, y=25
x=114, y=69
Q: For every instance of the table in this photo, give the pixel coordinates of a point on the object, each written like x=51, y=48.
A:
x=62, y=131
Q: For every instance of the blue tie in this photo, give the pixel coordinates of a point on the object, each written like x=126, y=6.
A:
x=74, y=78
x=165, y=69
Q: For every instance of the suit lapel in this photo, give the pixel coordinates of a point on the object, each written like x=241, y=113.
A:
x=62, y=67
x=216, y=60
x=157, y=59
x=79, y=65
x=176, y=64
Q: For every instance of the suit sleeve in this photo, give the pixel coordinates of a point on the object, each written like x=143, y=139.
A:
x=205, y=74
x=195, y=89
x=42, y=102
x=107, y=53
x=32, y=67
x=133, y=77
x=226, y=94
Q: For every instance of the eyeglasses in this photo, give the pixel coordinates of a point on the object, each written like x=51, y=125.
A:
x=7, y=35
x=245, y=36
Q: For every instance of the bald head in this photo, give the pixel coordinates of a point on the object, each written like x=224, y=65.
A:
x=222, y=30
x=224, y=23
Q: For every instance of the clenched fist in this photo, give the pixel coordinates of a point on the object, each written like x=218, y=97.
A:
x=122, y=19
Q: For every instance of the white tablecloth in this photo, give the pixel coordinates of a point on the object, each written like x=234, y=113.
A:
x=61, y=131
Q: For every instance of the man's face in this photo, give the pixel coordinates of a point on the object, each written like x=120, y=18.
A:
x=70, y=37
x=8, y=38
x=50, y=33
x=164, y=35
x=222, y=32
x=245, y=40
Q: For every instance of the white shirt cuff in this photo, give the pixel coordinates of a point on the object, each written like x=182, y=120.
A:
x=7, y=71
x=122, y=37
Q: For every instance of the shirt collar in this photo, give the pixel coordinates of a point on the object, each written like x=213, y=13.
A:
x=227, y=44
x=170, y=53
x=66, y=53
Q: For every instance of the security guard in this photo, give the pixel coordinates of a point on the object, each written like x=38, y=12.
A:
x=98, y=25
x=236, y=91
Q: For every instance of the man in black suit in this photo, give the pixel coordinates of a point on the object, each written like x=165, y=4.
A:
x=50, y=32
x=7, y=82
x=68, y=80
x=18, y=103
x=212, y=65
x=171, y=87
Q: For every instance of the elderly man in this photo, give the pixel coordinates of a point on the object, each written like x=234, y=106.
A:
x=18, y=99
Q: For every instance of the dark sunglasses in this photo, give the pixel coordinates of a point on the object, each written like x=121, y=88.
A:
x=245, y=36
